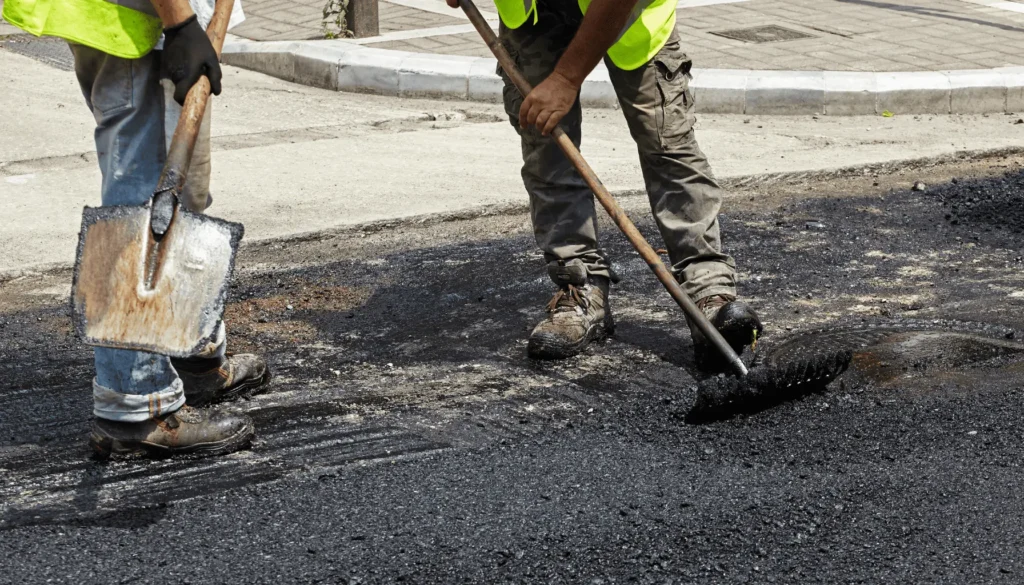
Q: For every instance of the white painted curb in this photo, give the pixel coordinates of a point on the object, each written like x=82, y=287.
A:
x=345, y=66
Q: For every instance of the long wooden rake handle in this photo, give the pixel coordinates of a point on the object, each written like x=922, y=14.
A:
x=179, y=155
x=607, y=201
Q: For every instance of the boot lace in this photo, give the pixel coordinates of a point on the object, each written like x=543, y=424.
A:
x=570, y=298
x=710, y=305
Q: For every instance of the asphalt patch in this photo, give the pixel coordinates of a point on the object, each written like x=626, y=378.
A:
x=408, y=438
x=986, y=204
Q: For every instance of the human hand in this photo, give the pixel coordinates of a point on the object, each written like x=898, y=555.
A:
x=187, y=56
x=453, y=3
x=548, y=103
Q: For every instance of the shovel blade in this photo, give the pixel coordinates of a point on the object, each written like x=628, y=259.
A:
x=166, y=297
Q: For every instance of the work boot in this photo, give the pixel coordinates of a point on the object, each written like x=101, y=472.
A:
x=221, y=379
x=735, y=320
x=186, y=431
x=577, y=315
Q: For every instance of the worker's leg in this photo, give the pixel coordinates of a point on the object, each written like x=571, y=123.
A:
x=684, y=195
x=130, y=386
x=138, y=396
x=212, y=375
x=561, y=204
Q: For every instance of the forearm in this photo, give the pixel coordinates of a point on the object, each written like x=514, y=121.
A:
x=172, y=12
x=601, y=27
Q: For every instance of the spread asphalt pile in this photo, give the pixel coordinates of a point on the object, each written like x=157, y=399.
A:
x=407, y=438
x=985, y=204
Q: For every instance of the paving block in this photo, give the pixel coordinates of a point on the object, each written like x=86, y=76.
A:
x=976, y=92
x=434, y=76
x=1013, y=80
x=849, y=93
x=371, y=70
x=485, y=85
x=913, y=92
x=785, y=92
x=597, y=90
x=317, y=67
x=270, y=58
x=719, y=91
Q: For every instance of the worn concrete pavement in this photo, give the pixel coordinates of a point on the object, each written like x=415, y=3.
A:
x=291, y=159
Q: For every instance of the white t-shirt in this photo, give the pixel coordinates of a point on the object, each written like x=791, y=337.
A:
x=204, y=13
x=204, y=10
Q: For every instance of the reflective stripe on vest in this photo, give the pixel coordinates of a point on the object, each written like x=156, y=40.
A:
x=649, y=26
x=123, y=28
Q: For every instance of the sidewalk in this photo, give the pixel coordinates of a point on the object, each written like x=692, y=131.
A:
x=807, y=35
x=835, y=57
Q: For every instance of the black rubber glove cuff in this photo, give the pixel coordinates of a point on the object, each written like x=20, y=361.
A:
x=174, y=29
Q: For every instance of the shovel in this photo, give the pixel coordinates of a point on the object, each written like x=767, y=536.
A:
x=154, y=277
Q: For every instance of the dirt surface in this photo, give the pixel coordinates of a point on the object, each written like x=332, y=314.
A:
x=408, y=438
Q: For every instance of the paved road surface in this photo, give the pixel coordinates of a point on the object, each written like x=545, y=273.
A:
x=408, y=439
x=290, y=159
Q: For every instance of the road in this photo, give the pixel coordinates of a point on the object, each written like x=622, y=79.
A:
x=407, y=438
x=291, y=159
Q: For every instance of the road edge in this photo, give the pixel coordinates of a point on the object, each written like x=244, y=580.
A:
x=345, y=66
x=522, y=207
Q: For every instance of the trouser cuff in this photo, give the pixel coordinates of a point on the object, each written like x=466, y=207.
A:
x=115, y=406
x=712, y=291
x=576, y=271
x=210, y=357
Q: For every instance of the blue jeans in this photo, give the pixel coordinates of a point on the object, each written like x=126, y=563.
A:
x=133, y=111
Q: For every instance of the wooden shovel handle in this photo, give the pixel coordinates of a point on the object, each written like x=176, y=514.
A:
x=605, y=198
x=179, y=155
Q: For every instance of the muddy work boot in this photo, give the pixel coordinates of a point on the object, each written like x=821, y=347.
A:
x=212, y=380
x=577, y=315
x=187, y=431
x=735, y=320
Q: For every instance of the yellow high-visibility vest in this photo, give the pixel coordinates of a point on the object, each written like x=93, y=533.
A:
x=123, y=28
x=645, y=33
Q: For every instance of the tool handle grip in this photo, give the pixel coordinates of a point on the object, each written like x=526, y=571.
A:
x=605, y=197
x=179, y=155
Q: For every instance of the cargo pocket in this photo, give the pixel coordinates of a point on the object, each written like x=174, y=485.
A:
x=510, y=96
x=112, y=92
x=675, y=114
x=106, y=81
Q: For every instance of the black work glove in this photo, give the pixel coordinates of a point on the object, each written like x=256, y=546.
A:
x=188, y=55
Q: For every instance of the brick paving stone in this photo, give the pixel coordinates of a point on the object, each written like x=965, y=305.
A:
x=849, y=35
x=302, y=19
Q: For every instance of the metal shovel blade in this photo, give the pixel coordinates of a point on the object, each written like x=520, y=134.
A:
x=134, y=290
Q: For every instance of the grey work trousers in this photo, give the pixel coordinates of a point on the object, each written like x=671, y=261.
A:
x=658, y=106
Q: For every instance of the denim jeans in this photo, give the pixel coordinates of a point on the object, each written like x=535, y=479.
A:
x=135, y=118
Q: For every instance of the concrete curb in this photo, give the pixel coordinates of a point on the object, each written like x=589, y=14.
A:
x=344, y=66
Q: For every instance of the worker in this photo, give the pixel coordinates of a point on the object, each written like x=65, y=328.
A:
x=148, y=405
x=556, y=44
